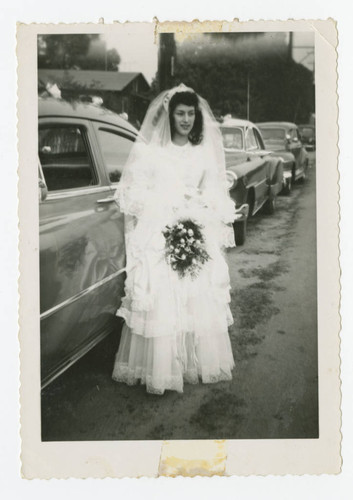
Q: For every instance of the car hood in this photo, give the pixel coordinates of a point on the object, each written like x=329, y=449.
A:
x=238, y=164
x=275, y=145
x=235, y=158
x=286, y=155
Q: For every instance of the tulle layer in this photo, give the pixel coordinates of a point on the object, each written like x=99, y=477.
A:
x=158, y=303
x=165, y=363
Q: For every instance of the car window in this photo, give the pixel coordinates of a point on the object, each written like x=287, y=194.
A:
x=259, y=139
x=65, y=157
x=307, y=132
x=269, y=134
x=250, y=140
x=115, y=149
x=232, y=138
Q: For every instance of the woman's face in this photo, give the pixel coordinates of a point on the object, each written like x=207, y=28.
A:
x=184, y=118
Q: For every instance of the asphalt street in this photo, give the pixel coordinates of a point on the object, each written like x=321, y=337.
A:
x=274, y=391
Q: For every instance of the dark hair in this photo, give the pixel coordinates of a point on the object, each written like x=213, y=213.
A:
x=189, y=99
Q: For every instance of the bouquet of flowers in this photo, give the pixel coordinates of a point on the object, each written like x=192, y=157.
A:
x=185, y=247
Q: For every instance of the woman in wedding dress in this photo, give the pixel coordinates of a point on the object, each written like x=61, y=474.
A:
x=176, y=321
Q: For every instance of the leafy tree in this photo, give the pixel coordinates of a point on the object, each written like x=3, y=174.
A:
x=155, y=87
x=113, y=60
x=222, y=67
x=79, y=51
x=62, y=51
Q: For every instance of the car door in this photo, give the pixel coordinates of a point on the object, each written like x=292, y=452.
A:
x=274, y=171
x=257, y=174
x=82, y=253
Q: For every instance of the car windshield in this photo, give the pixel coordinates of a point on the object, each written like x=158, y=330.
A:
x=232, y=138
x=273, y=134
x=307, y=132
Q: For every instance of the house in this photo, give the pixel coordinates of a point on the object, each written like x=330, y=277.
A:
x=122, y=92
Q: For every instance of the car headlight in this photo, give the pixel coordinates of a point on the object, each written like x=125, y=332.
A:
x=232, y=179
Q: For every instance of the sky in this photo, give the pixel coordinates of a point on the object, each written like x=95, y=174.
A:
x=303, y=48
x=139, y=52
x=136, y=47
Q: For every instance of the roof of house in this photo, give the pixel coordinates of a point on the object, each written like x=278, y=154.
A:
x=100, y=80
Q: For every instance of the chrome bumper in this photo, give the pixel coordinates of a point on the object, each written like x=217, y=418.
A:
x=287, y=178
x=241, y=213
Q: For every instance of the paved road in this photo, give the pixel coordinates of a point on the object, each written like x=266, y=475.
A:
x=274, y=390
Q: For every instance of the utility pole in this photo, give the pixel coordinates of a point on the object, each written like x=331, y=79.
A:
x=248, y=99
x=290, y=46
x=166, y=60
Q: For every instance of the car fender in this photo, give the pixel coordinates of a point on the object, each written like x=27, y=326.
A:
x=303, y=156
x=275, y=170
x=275, y=176
x=245, y=169
x=245, y=173
x=286, y=156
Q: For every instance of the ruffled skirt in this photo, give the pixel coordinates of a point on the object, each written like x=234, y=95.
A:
x=176, y=329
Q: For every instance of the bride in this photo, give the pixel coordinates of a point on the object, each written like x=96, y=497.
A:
x=178, y=217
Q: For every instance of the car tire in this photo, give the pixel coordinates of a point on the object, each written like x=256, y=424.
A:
x=303, y=177
x=305, y=170
x=240, y=232
x=270, y=206
x=288, y=188
x=250, y=200
x=293, y=174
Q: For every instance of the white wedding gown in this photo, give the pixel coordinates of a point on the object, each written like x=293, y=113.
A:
x=176, y=329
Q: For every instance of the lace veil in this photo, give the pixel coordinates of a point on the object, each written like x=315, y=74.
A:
x=137, y=180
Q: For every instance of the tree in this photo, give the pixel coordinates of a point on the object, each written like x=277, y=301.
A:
x=113, y=60
x=83, y=51
x=222, y=67
x=62, y=51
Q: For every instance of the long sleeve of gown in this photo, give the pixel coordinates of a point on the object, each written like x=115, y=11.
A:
x=132, y=192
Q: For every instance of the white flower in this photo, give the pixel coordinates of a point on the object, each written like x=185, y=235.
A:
x=183, y=257
x=171, y=247
x=177, y=250
x=184, y=231
x=190, y=232
x=180, y=226
x=182, y=240
x=194, y=261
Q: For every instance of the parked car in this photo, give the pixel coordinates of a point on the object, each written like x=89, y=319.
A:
x=82, y=149
x=255, y=176
x=284, y=140
x=308, y=136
